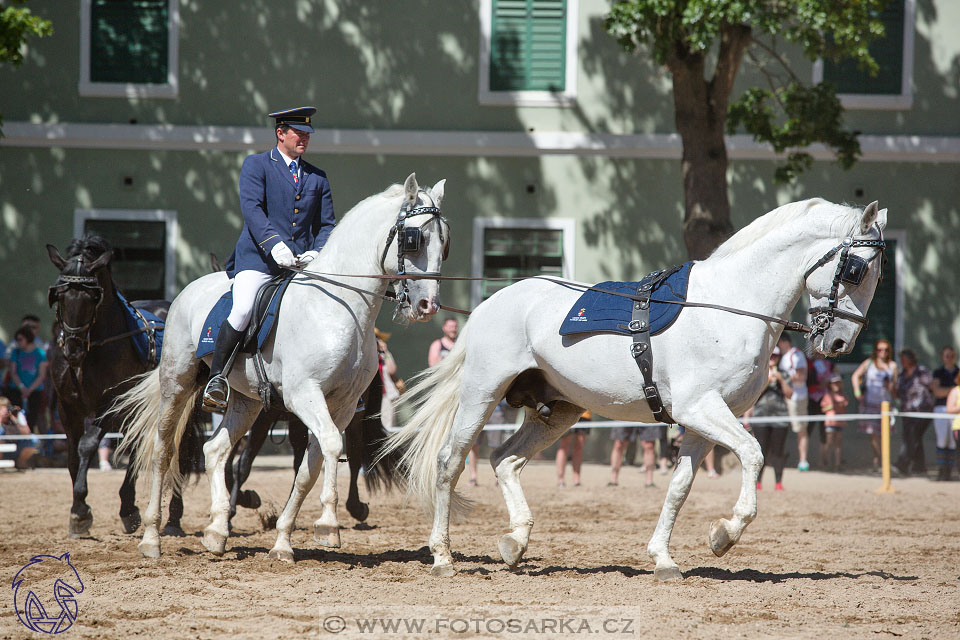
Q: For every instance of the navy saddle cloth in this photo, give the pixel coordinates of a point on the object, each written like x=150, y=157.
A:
x=261, y=324
x=138, y=319
x=596, y=311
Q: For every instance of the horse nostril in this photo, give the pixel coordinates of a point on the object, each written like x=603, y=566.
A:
x=424, y=305
x=838, y=345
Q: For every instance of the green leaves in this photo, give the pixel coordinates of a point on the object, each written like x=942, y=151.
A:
x=16, y=25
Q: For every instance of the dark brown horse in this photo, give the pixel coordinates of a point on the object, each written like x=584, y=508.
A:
x=92, y=361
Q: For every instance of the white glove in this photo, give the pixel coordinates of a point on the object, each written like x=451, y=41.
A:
x=283, y=256
x=307, y=257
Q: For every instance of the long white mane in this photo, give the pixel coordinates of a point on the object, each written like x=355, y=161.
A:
x=357, y=225
x=844, y=220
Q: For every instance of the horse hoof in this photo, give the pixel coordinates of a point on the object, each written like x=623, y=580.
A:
x=720, y=540
x=215, y=542
x=359, y=513
x=173, y=531
x=249, y=499
x=510, y=550
x=283, y=555
x=667, y=574
x=80, y=525
x=445, y=570
x=326, y=535
x=149, y=549
x=131, y=522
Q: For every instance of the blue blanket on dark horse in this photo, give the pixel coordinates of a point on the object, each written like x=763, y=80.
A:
x=596, y=311
x=220, y=311
x=138, y=319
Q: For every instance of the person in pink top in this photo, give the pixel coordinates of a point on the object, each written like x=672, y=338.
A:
x=832, y=404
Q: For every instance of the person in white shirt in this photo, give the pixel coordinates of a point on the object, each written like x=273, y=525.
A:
x=793, y=364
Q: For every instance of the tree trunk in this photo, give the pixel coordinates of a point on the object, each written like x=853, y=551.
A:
x=701, y=111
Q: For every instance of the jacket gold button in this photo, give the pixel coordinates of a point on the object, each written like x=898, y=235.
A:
x=296, y=210
x=298, y=196
x=294, y=224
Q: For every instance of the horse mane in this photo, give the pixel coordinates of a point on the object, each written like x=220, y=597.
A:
x=843, y=223
x=356, y=223
x=89, y=246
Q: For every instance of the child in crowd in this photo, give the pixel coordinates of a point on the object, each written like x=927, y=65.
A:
x=14, y=422
x=832, y=404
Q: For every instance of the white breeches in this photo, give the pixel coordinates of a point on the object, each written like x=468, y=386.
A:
x=942, y=427
x=245, y=287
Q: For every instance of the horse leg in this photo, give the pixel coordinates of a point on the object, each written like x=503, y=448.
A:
x=173, y=528
x=241, y=413
x=129, y=513
x=712, y=419
x=508, y=461
x=306, y=477
x=240, y=470
x=81, y=515
x=692, y=451
x=354, y=441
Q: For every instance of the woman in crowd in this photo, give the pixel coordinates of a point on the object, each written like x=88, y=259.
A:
x=873, y=384
x=772, y=436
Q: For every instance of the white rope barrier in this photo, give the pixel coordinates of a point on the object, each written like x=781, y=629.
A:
x=605, y=424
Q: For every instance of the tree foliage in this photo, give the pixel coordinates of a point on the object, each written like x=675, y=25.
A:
x=17, y=24
x=788, y=114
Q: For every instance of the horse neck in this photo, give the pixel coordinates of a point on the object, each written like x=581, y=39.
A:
x=110, y=317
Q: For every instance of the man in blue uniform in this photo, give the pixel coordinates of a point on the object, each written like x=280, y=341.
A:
x=287, y=217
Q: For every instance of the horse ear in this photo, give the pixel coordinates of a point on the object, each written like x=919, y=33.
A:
x=55, y=257
x=437, y=192
x=411, y=188
x=102, y=261
x=882, y=219
x=869, y=217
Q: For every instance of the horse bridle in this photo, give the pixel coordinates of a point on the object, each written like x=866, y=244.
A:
x=409, y=240
x=89, y=285
x=850, y=270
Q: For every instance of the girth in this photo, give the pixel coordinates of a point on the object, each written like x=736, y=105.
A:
x=640, y=347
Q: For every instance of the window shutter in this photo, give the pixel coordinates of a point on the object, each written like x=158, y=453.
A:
x=519, y=253
x=129, y=41
x=887, y=51
x=528, y=45
x=139, y=258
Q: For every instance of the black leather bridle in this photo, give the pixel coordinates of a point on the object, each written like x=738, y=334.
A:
x=850, y=270
x=409, y=241
x=89, y=285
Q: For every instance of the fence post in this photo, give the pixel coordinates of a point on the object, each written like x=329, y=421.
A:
x=885, y=448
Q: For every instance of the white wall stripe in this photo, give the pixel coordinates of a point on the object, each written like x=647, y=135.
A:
x=876, y=148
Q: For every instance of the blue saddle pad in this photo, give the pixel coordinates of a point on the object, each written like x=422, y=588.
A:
x=596, y=311
x=219, y=313
x=138, y=319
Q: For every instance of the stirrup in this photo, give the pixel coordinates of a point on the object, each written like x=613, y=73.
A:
x=213, y=404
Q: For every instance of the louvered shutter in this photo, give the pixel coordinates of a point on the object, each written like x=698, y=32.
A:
x=887, y=51
x=129, y=41
x=528, y=45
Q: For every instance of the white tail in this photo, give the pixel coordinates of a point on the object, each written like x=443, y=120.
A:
x=140, y=408
x=435, y=396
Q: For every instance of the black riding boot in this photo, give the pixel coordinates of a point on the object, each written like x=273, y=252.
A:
x=217, y=390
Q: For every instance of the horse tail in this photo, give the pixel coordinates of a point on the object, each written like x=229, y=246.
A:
x=140, y=409
x=435, y=397
x=380, y=472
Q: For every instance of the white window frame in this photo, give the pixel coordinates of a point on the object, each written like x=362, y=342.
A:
x=170, y=89
x=564, y=98
x=888, y=102
x=567, y=225
x=167, y=216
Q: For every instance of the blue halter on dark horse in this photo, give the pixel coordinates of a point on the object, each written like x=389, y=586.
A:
x=102, y=342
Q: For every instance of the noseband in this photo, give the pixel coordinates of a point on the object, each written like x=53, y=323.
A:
x=409, y=240
x=850, y=270
x=89, y=285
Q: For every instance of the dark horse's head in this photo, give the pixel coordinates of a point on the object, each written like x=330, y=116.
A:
x=83, y=284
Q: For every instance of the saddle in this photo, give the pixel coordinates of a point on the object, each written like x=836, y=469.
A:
x=265, y=310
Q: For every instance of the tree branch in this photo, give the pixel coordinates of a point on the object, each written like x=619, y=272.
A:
x=776, y=56
x=734, y=40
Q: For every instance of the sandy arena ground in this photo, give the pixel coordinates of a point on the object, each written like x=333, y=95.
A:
x=826, y=558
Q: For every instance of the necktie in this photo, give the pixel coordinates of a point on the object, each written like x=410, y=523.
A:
x=293, y=170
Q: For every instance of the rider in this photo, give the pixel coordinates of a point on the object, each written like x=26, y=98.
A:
x=287, y=217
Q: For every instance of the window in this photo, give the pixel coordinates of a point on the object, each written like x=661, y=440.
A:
x=528, y=52
x=886, y=311
x=144, y=248
x=892, y=87
x=519, y=247
x=128, y=48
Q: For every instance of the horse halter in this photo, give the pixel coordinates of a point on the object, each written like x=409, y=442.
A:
x=89, y=285
x=850, y=270
x=409, y=240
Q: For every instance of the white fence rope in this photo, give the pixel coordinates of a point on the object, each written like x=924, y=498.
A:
x=609, y=424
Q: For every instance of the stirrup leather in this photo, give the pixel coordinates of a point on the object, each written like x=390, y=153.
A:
x=211, y=403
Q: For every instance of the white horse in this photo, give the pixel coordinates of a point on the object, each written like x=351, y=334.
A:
x=710, y=367
x=321, y=358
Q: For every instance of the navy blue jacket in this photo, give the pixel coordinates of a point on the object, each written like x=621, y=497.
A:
x=276, y=209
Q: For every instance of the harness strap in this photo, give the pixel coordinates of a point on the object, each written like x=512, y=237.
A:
x=640, y=347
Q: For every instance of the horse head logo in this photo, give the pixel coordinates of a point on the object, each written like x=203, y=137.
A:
x=47, y=581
